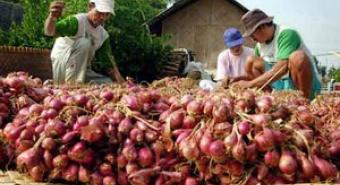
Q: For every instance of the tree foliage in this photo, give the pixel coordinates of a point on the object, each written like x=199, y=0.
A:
x=334, y=73
x=137, y=52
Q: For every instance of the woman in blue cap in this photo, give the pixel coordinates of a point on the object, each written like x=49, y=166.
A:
x=231, y=62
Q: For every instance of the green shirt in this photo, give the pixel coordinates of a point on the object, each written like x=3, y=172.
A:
x=104, y=60
x=288, y=42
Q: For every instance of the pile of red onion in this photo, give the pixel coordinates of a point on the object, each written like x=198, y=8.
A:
x=105, y=135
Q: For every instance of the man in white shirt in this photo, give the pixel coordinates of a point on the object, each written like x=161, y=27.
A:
x=231, y=62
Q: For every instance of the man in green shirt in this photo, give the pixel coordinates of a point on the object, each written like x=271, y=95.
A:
x=82, y=52
x=281, y=58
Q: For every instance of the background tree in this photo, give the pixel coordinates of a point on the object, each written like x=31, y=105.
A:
x=334, y=73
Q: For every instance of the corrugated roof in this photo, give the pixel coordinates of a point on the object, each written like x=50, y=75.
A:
x=181, y=4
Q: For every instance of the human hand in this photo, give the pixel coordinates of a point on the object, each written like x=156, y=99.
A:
x=117, y=76
x=242, y=84
x=224, y=82
x=56, y=8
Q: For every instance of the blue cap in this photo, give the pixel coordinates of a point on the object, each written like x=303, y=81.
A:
x=233, y=37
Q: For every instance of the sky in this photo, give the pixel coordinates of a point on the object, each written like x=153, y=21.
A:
x=318, y=22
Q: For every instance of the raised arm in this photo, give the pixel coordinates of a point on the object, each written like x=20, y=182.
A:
x=55, y=11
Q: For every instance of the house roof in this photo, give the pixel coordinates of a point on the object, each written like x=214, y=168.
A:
x=181, y=4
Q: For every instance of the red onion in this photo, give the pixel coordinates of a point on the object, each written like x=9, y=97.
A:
x=48, y=158
x=150, y=136
x=235, y=168
x=105, y=169
x=23, y=145
x=125, y=126
x=216, y=148
x=158, y=148
x=243, y=128
x=110, y=158
x=307, y=167
x=14, y=83
x=96, y=179
x=230, y=140
x=241, y=105
x=49, y=113
x=183, y=135
x=278, y=137
x=11, y=132
x=31, y=124
x=130, y=153
x=106, y=95
x=69, y=136
x=164, y=115
x=262, y=171
x=56, y=104
x=117, y=116
x=189, y=122
x=27, y=134
x=145, y=157
x=131, y=168
x=109, y=180
x=81, y=154
x=145, y=97
x=176, y=119
x=37, y=173
x=160, y=180
x=91, y=133
x=194, y=108
x=48, y=144
x=29, y=158
x=71, y=173
x=189, y=150
x=264, y=140
x=264, y=104
x=306, y=117
x=272, y=158
x=186, y=99
x=335, y=135
x=136, y=135
x=191, y=181
x=287, y=163
x=260, y=119
x=121, y=161
x=308, y=134
x=239, y=151
x=131, y=102
x=39, y=129
x=160, y=107
x=251, y=152
x=175, y=105
x=326, y=169
x=36, y=109
x=334, y=149
x=220, y=113
x=55, y=127
x=205, y=143
x=146, y=108
x=60, y=161
x=122, y=178
x=81, y=99
x=208, y=107
x=252, y=181
x=83, y=175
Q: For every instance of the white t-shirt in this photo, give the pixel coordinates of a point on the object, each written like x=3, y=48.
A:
x=229, y=65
